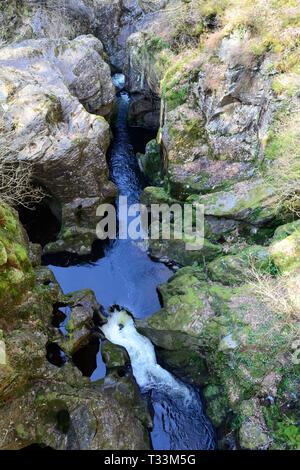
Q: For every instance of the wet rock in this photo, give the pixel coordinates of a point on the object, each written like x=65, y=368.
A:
x=50, y=403
x=188, y=366
x=46, y=279
x=84, y=314
x=79, y=231
x=114, y=356
x=65, y=418
x=144, y=111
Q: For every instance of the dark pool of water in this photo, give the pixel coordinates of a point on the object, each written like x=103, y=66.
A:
x=126, y=276
x=180, y=426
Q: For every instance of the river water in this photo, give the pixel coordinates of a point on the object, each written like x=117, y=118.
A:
x=127, y=277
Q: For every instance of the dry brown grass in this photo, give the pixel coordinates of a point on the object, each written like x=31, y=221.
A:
x=214, y=76
x=16, y=178
x=281, y=293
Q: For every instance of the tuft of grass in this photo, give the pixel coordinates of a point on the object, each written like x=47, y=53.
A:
x=283, y=153
x=280, y=293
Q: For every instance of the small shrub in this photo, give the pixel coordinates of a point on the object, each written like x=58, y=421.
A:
x=16, y=178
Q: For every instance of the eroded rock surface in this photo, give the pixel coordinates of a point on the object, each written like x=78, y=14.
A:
x=47, y=86
x=47, y=404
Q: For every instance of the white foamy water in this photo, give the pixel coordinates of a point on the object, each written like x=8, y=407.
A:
x=118, y=80
x=179, y=422
x=120, y=330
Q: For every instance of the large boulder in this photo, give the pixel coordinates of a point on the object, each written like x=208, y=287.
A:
x=44, y=93
x=285, y=253
x=75, y=416
x=23, y=19
x=216, y=116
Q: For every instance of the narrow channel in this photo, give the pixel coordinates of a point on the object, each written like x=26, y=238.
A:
x=127, y=277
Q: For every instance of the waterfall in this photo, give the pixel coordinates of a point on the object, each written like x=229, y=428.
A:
x=179, y=419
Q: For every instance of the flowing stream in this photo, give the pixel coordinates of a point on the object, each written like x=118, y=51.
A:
x=126, y=276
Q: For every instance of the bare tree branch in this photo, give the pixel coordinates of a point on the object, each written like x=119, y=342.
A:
x=16, y=177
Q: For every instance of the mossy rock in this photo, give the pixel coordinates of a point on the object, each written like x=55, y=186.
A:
x=185, y=305
x=285, y=253
x=241, y=339
x=253, y=202
x=176, y=250
x=156, y=195
x=185, y=364
x=151, y=163
x=114, y=356
x=285, y=230
x=283, y=416
x=235, y=269
x=216, y=405
x=16, y=274
x=253, y=434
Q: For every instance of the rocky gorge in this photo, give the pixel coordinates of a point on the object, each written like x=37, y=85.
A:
x=219, y=85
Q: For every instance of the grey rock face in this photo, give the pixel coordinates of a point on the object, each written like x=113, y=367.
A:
x=217, y=136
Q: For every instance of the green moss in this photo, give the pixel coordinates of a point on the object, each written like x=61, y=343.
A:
x=235, y=269
x=285, y=230
x=16, y=274
x=156, y=195
x=155, y=44
x=176, y=97
x=113, y=356
x=252, y=202
x=282, y=417
x=151, y=163
x=286, y=253
x=175, y=249
x=217, y=405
